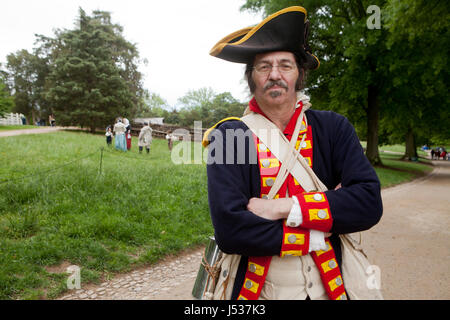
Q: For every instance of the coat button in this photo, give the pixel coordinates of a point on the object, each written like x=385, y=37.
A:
x=322, y=214
x=310, y=285
x=292, y=238
x=224, y=273
x=248, y=284
x=317, y=197
x=338, y=281
x=269, y=182
x=265, y=163
x=303, y=144
x=332, y=264
x=252, y=268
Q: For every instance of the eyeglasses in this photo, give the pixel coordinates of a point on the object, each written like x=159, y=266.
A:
x=266, y=68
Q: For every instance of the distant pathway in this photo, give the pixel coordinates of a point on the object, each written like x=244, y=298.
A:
x=8, y=133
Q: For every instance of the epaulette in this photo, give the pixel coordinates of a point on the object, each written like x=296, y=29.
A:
x=205, y=141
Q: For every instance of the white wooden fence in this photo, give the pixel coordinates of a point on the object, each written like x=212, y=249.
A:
x=11, y=119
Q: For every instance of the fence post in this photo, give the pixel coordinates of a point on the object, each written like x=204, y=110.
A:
x=101, y=159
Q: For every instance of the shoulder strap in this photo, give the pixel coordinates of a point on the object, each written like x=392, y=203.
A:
x=277, y=143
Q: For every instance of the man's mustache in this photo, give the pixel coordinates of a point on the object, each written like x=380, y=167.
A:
x=271, y=84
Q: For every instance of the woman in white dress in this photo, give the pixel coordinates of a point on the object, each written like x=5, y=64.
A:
x=119, y=132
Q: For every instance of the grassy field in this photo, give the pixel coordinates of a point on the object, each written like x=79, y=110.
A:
x=139, y=209
x=56, y=209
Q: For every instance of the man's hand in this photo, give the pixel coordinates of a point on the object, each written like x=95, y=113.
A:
x=274, y=209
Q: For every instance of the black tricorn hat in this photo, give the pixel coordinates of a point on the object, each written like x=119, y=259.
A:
x=285, y=30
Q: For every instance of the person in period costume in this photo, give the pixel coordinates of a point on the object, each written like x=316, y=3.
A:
x=170, y=137
x=109, y=136
x=288, y=242
x=127, y=132
x=145, y=138
x=119, y=132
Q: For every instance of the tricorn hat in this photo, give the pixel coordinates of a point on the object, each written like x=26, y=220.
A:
x=285, y=30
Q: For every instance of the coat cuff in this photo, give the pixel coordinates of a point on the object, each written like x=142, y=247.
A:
x=316, y=211
x=295, y=241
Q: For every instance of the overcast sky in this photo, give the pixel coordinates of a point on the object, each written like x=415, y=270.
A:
x=174, y=36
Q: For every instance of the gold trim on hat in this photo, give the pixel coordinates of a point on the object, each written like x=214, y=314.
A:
x=217, y=49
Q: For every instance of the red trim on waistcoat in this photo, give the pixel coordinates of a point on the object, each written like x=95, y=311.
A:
x=330, y=272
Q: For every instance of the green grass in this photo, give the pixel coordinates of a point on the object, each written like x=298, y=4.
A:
x=141, y=208
x=395, y=171
x=56, y=209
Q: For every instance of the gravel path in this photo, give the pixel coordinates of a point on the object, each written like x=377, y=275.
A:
x=171, y=279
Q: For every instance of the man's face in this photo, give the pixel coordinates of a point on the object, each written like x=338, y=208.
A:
x=275, y=75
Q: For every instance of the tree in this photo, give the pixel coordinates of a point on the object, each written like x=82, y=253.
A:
x=27, y=74
x=154, y=106
x=6, y=100
x=225, y=105
x=207, y=106
x=418, y=40
x=352, y=75
x=94, y=76
x=196, y=106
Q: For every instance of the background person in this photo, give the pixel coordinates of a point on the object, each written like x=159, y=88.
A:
x=119, y=135
x=127, y=132
x=145, y=137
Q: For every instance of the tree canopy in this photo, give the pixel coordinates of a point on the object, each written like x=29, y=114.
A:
x=375, y=75
x=6, y=100
x=85, y=76
x=93, y=77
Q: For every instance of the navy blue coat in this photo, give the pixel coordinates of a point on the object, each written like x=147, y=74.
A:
x=337, y=158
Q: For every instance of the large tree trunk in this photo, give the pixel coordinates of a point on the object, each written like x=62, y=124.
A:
x=373, y=114
x=33, y=116
x=411, y=149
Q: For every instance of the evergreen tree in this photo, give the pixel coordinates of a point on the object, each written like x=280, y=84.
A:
x=94, y=76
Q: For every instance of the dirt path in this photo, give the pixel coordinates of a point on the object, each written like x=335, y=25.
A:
x=8, y=133
x=411, y=242
x=409, y=245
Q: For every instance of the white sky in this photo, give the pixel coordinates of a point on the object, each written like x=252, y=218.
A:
x=174, y=36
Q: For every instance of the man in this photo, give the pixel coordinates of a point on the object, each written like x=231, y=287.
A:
x=289, y=244
x=145, y=137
